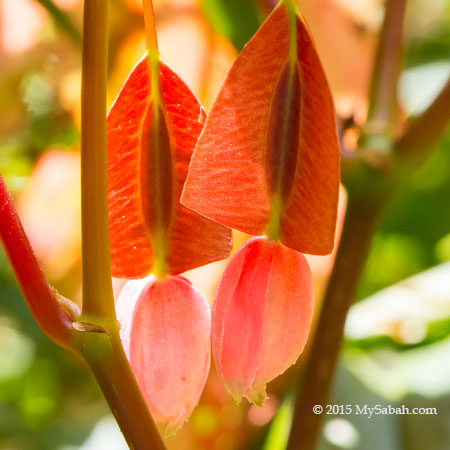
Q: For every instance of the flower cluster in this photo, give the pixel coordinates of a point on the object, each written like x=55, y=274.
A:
x=265, y=161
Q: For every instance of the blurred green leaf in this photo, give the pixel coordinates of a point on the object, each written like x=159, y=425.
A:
x=279, y=429
x=16, y=352
x=442, y=249
x=432, y=48
x=41, y=393
x=236, y=20
x=63, y=21
x=435, y=332
x=414, y=222
x=393, y=257
x=410, y=314
x=394, y=374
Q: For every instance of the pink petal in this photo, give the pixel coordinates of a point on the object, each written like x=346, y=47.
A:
x=261, y=316
x=165, y=330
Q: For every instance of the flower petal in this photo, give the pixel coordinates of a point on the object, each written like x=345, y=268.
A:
x=287, y=314
x=238, y=314
x=165, y=330
x=261, y=316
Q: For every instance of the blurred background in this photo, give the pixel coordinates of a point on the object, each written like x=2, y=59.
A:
x=397, y=345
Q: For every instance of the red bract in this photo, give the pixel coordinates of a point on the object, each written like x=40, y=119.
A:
x=261, y=316
x=267, y=161
x=149, y=151
x=165, y=331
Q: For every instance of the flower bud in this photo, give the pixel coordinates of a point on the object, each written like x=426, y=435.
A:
x=261, y=316
x=165, y=331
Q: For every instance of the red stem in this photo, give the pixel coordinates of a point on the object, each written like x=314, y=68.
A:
x=41, y=300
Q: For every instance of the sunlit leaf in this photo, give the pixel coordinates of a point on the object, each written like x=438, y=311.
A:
x=279, y=428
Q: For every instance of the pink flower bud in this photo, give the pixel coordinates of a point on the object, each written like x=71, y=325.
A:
x=165, y=331
x=261, y=316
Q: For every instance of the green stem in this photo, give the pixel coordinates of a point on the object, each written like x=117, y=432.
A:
x=98, y=299
x=150, y=26
x=151, y=43
x=382, y=104
x=292, y=11
x=276, y=209
x=159, y=237
x=105, y=356
x=98, y=337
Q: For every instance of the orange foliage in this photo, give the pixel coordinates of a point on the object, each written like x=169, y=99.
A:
x=227, y=179
x=191, y=239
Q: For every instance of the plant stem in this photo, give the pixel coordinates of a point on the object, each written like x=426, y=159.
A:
x=98, y=338
x=98, y=299
x=386, y=70
x=159, y=237
x=106, y=357
x=53, y=320
x=420, y=136
x=151, y=43
x=354, y=246
x=292, y=10
x=362, y=215
x=150, y=27
x=363, y=211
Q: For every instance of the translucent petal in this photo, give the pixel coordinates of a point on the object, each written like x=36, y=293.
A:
x=165, y=330
x=261, y=316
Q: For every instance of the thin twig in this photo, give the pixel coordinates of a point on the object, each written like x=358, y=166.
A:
x=386, y=69
x=422, y=133
x=358, y=230
x=98, y=338
x=360, y=223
